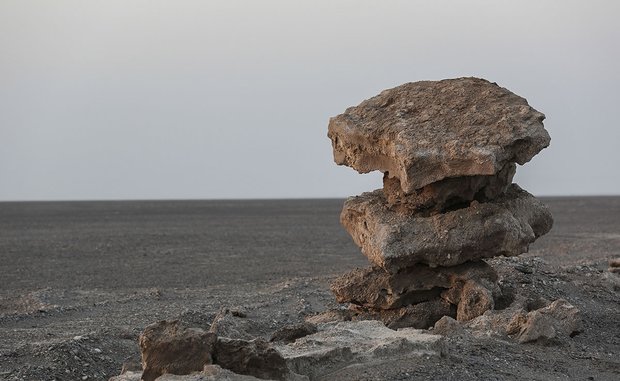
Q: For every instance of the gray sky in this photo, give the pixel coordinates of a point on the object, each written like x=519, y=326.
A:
x=231, y=99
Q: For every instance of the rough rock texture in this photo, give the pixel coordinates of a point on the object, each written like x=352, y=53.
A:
x=427, y=131
x=250, y=357
x=291, y=333
x=376, y=288
x=168, y=347
x=231, y=323
x=505, y=226
x=209, y=373
x=420, y=315
x=475, y=299
x=337, y=345
x=447, y=193
x=614, y=266
x=556, y=320
x=559, y=319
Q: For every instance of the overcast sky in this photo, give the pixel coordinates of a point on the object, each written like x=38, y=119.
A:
x=231, y=99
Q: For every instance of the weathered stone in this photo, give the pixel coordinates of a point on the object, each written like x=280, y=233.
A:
x=291, y=333
x=250, y=357
x=420, y=316
x=614, y=266
x=559, y=319
x=209, y=373
x=475, y=299
x=329, y=316
x=168, y=347
x=447, y=326
x=127, y=376
x=505, y=226
x=447, y=193
x=231, y=323
x=376, y=288
x=424, y=132
x=337, y=345
x=525, y=323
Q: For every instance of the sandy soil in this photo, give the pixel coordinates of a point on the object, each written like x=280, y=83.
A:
x=80, y=280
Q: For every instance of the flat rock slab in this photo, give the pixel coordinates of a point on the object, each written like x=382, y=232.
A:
x=505, y=226
x=376, y=288
x=337, y=345
x=423, y=132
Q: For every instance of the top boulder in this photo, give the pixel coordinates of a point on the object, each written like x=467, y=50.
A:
x=423, y=132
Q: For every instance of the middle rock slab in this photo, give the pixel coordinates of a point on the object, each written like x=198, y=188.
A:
x=392, y=240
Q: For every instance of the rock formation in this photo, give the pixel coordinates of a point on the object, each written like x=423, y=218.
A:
x=448, y=150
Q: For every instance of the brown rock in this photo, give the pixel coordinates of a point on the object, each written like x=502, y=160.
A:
x=448, y=326
x=505, y=226
x=376, y=288
x=447, y=193
x=424, y=132
x=475, y=299
x=250, y=357
x=168, y=347
x=421, y=316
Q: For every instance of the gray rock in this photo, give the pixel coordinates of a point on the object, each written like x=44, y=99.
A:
x=168, y=347
x=557, y=320
x=250, y=357
x=376, y=288
x=232, y=323
x=505, y=226
x=419, y=316
x=209, y=373
x=337, y=345
x=448, y=193
x=560, y=319
x=424, y=132
x=291, y=333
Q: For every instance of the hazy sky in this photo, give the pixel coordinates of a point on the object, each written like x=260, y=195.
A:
x=231, y=99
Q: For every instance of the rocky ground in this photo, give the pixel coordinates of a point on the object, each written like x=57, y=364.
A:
x=80, y=281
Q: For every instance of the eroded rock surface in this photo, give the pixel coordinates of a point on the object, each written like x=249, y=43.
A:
x=553, y=321
x=337, y=345
x=423, y=132
x=376, y=288
x=505, y=226
x=254, y=357
x=169, y=347
x=448, y=193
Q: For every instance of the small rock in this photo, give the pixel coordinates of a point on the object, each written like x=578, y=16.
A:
x=475, y=299
x=168, y=347
x=231, y=323
x=559, y=319
x=291, y=333
x=448, y=326
x=250, y=357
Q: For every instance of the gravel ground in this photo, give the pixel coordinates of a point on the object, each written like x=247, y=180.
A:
x=80, y=280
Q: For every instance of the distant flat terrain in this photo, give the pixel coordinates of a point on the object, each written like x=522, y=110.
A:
x=102, y=271
x=125, y=244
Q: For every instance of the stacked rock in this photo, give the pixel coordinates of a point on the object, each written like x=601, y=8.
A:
x=448, y=150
